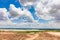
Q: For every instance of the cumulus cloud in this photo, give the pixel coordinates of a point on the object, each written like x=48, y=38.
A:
x=56, y=2
x=45, y=9
x=17, y=13
x=28, y=2
x=14, y=13
x=42, y=9
x=3, y=15
x=4, y=20
x=49, y=11
x=55, y=12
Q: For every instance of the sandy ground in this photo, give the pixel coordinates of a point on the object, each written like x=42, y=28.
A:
x=54, y=33
x=30, y=36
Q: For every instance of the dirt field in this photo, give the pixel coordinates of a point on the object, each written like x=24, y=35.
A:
x=29, y=36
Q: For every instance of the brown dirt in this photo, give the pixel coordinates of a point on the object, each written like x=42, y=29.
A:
x=47, y=36
x=28, y=36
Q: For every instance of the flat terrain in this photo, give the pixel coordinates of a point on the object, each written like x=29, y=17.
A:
x=10, y=35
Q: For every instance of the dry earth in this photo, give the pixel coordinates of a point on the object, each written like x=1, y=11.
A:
x=29, y=36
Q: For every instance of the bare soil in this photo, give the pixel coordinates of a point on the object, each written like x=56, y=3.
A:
x=29, y=36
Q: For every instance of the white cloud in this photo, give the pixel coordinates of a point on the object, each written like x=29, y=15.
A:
x=44, y=11
x=4, y=20
x=18, y=12
x=28, y=2
x=15, y=13
x=3, y=15
x=56, y=2
x=41, y=7
x=48, y=10
x=55, y=10
x=45, y=17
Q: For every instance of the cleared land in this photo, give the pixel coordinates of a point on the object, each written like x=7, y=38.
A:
x=33, y=35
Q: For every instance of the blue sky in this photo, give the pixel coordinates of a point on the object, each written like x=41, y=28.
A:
x=6, y=4
x=45, y=8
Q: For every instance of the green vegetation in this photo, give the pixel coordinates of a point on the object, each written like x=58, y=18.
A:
x=52, y=30
x=32, y=31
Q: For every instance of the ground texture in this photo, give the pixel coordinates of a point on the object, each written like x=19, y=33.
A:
x=30, y=36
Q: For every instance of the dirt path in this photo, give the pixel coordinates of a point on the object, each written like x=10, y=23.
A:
x=54, y=33
x=32, y=37
x=6, y=33
x=27, y=36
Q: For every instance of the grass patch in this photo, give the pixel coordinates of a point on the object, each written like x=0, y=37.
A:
x=27, y=31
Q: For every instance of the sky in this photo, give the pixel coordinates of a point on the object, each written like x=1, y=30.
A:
x=34, y=13
x=6, y=4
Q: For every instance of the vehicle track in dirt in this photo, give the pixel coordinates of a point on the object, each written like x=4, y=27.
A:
x=29, y=36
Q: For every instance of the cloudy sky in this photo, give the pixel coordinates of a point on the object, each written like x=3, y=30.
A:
x=30, y=13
